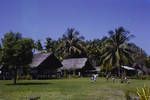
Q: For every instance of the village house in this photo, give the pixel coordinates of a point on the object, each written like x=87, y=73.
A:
x=44, y=66
x=77, y=66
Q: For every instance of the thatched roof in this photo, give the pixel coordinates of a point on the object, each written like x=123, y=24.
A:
x=39, y=58
x=74, y=63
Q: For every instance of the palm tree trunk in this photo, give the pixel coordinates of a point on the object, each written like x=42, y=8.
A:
x=118, y=62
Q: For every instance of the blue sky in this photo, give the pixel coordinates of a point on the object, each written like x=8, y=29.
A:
x=39, y=19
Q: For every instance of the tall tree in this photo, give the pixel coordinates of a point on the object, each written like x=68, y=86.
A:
x=16, y=52
x=48, y=44
x=71, y=43
x=38, y=45
x=51, y=45
x=116, y=52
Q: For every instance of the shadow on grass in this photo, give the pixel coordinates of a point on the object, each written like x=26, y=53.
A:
x=29, y=83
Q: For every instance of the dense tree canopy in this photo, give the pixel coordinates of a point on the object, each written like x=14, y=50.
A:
x=71, y=44
x=109, y=52
x=93, y=49
x=51, y=45
x=16, y=51
x=147, y=62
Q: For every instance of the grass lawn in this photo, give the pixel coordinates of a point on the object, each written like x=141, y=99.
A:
x=68, y=89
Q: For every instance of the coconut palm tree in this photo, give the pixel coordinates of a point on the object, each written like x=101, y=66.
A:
x=71, y=43
x=116, y=51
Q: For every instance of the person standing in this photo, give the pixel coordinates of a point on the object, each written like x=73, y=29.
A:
x=94, y=77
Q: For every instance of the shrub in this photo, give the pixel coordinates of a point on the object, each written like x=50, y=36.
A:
x=144, y=93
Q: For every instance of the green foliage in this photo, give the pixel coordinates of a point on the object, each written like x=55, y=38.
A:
x=25, y=77
x=51, y=45
x=38, y=45
x=144, y=93
x=71, y=44
x=127, y=95
x=9, y=42
x=115, y=51
x=147, y=62
x=93, y=49
x=16, y=51
x=0, y=54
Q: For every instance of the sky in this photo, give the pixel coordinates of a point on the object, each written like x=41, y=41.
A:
x=39, y=19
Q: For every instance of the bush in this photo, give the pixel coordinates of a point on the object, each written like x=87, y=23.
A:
x=143, y=93
x=24, y=77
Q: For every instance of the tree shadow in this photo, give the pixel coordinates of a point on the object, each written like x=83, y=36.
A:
x=29, y=83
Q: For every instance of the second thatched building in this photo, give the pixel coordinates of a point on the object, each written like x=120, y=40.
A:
x=77, y=66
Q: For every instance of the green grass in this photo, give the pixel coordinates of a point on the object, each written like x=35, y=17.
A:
x=68, y=89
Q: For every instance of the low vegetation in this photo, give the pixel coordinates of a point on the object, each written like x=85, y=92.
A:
x=69, y=89
x=144, y=93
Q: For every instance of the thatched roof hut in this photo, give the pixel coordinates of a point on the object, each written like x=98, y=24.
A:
x=74, y=63
x=44, y=65
x=45, y=60
x=77, y=63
